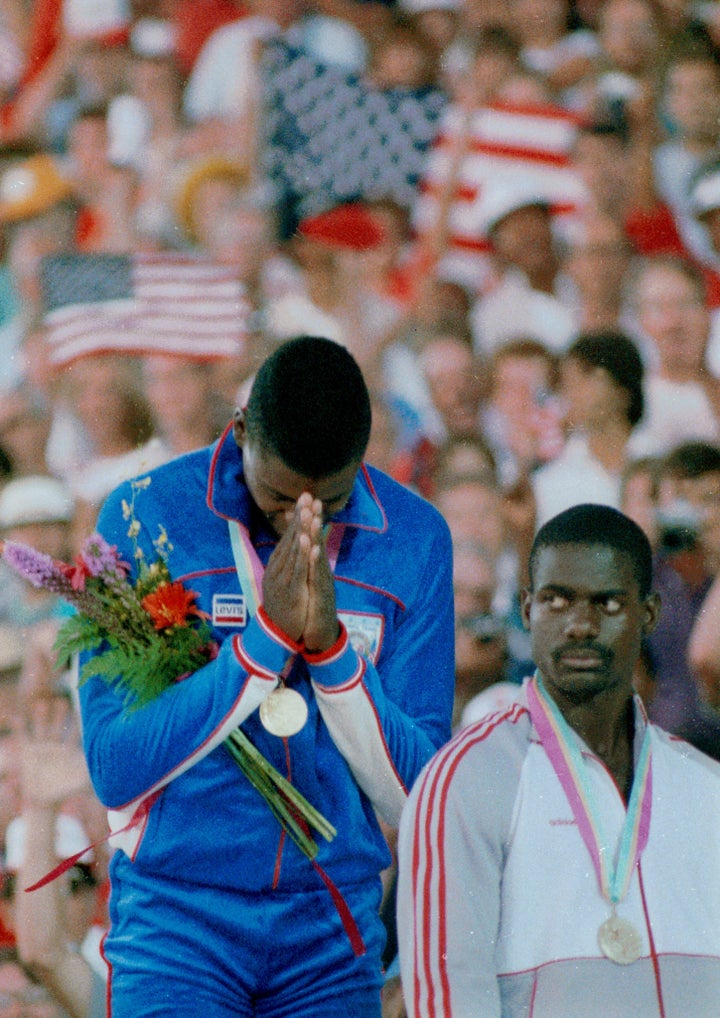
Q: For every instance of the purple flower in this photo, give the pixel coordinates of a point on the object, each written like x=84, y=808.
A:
x=102, y=559
x=37, y=568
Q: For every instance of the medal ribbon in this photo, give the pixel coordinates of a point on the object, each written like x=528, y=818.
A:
x=563, y=750
x=248, y=566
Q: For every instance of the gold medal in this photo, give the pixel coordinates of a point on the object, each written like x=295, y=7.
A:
x=619, y=940
x=283, y=712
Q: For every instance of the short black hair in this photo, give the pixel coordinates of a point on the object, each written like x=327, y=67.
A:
x=309, y=406
x=592, y=524
x=602, y=127
x=620, y=357
x=690, y=460
x=495, y=39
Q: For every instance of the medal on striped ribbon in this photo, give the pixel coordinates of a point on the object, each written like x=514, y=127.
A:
x=618, y=939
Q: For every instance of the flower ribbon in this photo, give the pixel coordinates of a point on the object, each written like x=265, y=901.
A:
x=250, y=572
x=562, y=747
x=139, y=815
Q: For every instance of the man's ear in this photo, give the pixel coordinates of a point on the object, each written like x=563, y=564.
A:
x=239, y=427
x=525, y=602
x=652, y=613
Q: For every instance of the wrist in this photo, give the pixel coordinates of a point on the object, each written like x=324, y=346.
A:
x=279, y=635
x=263, y=649
x=327, y=647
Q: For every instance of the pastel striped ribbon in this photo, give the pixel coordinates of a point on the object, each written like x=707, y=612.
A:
x=248, y=566
x=563, y=749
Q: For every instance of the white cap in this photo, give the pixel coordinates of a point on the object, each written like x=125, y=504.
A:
x=153, y=37
x=35, y=499
x=92, y=18
x=70, y=838
x=335, y=42
x=129, y=127
x=705, y=193
x=499, y=200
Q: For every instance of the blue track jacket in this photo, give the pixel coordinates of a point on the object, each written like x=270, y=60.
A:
x=374, y=719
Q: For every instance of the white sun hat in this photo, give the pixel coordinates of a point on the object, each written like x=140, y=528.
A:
x=35, y=499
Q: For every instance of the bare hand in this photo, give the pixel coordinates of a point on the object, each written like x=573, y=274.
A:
x=285, y=581
x=322, y=627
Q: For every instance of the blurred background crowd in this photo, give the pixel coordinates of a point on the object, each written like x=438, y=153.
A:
x=508, y=210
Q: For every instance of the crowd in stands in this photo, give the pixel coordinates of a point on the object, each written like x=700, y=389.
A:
x=509, y=212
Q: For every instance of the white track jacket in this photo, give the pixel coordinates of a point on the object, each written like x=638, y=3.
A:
x=498, y=902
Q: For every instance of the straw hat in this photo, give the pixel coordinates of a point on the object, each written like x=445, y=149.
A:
x=193, y=177
x=32, y=187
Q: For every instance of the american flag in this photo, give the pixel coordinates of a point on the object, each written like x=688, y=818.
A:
x=332, y=138
x=142, y=304
x=505, y=143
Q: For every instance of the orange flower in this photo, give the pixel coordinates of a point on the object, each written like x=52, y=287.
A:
x=171, y=604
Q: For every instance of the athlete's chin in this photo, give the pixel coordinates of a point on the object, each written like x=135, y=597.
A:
x=582, y=684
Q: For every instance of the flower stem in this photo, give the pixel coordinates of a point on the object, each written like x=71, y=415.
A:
x=286, y=803
x=273, y=799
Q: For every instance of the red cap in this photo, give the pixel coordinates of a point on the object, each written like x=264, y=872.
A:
x=351, y=226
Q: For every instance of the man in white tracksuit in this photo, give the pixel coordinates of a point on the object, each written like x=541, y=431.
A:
x=561, y=858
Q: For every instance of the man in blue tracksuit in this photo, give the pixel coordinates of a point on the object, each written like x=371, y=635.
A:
x=214, y=911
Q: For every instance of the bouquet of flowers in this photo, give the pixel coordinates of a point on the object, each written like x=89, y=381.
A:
x=146, y=635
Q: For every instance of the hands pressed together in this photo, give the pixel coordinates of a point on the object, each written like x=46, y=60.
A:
x=298, y=587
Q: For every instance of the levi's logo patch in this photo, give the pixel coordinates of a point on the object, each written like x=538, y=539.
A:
x=229, y=610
